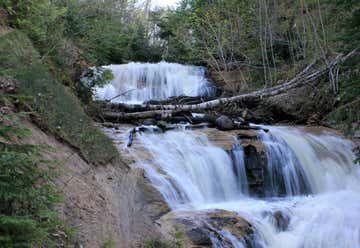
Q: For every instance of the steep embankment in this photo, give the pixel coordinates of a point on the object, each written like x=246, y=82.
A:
x=101, y=203
x=102, y=199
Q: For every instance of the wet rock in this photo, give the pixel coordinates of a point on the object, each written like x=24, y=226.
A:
x=149, y=122
x=279, y=219
x=255, y=164
x=147, y=196
x=224, y=123
x=249, y=135
x=282, y=220
x=198, y=227
x=199, y=236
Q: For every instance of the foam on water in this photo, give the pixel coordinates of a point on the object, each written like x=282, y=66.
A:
x=315, y=185
x=311, y=185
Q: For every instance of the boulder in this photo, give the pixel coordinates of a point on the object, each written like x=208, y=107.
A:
x=198, y=228
x=224, y=123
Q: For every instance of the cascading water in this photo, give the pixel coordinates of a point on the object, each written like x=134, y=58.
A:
x=330, y=217
x=237, y=156
x=311, y=186
x=140, y=82
x=284, y=174
x=192, y=169
x=313, y=194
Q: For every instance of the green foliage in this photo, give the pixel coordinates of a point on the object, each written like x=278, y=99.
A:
x=97, y=29
x=37, y=18
x=57, y=108
x=71, y=34
x=346, y=113
x=95, y=76
x=109, y=32
x=27, y=199
x=350, y=23
x=267, y=41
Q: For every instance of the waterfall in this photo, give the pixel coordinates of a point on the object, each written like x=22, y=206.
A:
x=284, y=174
x=307, y=186
x=140, y=82
x=326, y=160
x=186, y=162
x=237, y=156
x=312, y=186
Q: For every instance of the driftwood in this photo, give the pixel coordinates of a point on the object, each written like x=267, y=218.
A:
x=307, y=76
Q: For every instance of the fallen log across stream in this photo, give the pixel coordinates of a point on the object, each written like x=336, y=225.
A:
x=126, y=112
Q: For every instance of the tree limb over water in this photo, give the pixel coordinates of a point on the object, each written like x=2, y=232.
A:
x=308, y=75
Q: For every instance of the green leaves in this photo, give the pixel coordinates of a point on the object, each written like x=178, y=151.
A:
x=27, y=199
x=10, y=127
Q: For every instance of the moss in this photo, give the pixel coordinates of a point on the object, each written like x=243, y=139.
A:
x=58, y=109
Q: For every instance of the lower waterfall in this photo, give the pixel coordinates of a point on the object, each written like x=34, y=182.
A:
x=312, y=186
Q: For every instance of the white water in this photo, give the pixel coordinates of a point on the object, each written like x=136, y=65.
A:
x=317, y=186
x=312, y=187
x=199, y=171
x=140, y=82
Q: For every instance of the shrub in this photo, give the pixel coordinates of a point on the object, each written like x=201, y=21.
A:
x=27, y=199
x=58, y=110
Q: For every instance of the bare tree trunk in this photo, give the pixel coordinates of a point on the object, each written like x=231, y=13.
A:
x=304, y=77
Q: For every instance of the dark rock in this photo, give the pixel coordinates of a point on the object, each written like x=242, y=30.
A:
x=199, y=236
x=224, y=123
x=149, y=122
x=255, y=164
x=357, y=135
x=282, y=220
x=199, y=227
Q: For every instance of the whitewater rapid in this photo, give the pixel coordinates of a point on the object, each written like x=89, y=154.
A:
x=315, y=187
x=311, y=190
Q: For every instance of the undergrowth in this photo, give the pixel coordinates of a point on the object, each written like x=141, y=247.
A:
x=27, y=196
x=57, y=108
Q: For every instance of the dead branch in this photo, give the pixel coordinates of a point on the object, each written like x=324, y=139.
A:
x=142, y=111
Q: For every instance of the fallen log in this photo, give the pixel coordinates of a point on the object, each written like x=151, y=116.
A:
x=306, y=76
x=121, y=116
x=170, y=116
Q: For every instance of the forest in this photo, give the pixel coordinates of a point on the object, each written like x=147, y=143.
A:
x=247, y=47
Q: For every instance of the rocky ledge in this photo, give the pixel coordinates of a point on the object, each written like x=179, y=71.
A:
x=199, y=229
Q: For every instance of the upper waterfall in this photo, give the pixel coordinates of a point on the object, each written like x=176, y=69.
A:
x=140, y=82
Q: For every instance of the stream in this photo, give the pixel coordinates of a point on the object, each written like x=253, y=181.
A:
x=310, y=186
